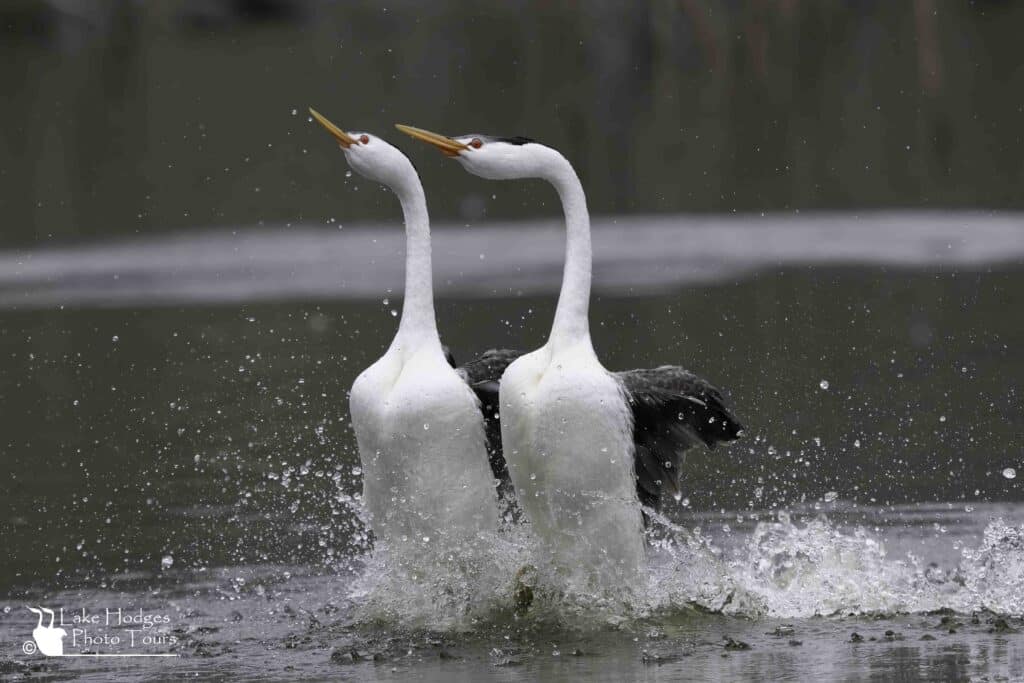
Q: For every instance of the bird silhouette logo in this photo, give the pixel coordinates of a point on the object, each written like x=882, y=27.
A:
x=49, y=640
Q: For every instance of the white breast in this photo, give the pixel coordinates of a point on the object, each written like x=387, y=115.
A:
x=426, y=477
x=567, y=437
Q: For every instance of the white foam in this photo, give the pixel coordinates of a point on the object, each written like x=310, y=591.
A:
x=799, y=570
x=783, y=569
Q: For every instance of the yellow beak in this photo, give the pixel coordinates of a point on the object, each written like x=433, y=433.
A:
x=447, y=146
x=343, y=138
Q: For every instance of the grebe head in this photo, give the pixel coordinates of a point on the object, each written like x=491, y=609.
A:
x=491, y=156
x=368, y=155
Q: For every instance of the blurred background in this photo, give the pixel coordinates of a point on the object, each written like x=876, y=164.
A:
x=814, y=204
x=127, y=117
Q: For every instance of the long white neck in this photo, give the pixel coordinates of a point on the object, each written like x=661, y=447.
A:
x=572, y=324
x=418, y=326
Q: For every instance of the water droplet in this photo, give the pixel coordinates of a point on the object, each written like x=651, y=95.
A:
x=115, y=339
x=942, y=418
x=348, y=174
x=1010, y=473
x=426, y=426
x=685, y=502
x=831, y=496
x=823, y=384
x=533, y=477
x=166, y=562
x=394, y=313
x=426, y=539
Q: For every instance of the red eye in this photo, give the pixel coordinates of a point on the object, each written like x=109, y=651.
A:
x=475, y=143
x=365, y=139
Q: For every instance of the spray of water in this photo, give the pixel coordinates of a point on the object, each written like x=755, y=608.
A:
x=785, y=569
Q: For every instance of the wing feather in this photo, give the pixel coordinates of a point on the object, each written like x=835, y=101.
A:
x=673, y=411
x=483, y=375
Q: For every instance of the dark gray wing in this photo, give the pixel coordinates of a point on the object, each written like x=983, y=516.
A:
x=673, y=410
x=483, y=375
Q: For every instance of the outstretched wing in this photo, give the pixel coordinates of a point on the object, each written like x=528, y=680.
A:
x=483, y=375
x=673, y=410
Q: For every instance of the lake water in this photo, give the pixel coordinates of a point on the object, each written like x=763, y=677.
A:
x=176, y=429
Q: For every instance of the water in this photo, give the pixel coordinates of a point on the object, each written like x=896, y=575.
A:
x=634, y=255
x=820, y=583
x=178, y=442
x=660, y=106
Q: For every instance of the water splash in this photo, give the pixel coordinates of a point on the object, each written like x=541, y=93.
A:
x=814, y=569
x=784, y=569
x=791, y=570
x=438, y=588
x=993, y=574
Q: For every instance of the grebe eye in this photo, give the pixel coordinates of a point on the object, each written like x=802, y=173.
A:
x=475, y=143
x=365, y=139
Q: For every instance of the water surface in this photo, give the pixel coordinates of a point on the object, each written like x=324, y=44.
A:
x=177, y=436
